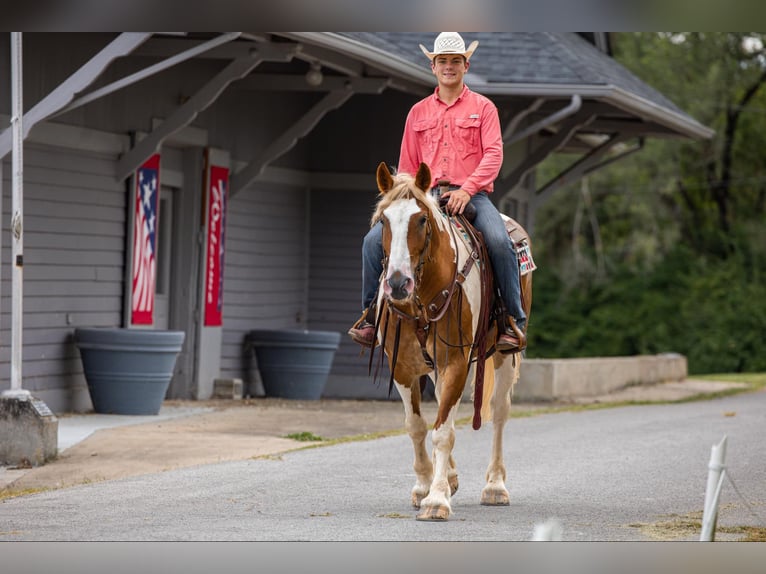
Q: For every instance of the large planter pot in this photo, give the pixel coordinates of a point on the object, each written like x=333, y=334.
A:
x=294, y=364
x=128, y=371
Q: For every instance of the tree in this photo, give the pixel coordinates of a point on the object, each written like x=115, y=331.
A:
x=719, y=79
x=674, y=257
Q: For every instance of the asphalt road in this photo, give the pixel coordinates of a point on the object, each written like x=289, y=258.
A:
x=619, y=474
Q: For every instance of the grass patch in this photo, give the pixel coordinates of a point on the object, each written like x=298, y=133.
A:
x=751, y=533
x=8, y=494
x=675, y=527
x=305, y=436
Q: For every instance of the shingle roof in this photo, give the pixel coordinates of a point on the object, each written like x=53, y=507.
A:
x=526, y=58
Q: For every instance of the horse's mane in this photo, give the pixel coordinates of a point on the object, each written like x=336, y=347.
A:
x=404, y=188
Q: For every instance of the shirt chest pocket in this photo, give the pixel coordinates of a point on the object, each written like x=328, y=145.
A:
x=427, y=133
x=467, y=133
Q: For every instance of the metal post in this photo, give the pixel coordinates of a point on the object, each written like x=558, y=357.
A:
x=716, y=473
x=17, y=261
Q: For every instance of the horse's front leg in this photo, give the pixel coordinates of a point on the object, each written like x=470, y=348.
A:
x=494, y=492
x=436, y=506
x=417, y=429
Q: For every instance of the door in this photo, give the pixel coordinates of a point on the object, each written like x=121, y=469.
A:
x=164, y=258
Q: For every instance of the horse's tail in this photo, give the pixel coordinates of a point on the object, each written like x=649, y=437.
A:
x=488, y=389
x=489, y=385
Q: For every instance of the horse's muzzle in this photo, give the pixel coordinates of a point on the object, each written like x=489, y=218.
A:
x=399, y=286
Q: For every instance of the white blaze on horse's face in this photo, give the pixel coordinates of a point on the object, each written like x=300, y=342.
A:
x=399, y=281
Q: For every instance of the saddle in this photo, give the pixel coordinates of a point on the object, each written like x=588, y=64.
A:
x=493, y=308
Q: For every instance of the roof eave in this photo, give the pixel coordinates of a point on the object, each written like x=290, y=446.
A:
x=381, y=59
x=683, y=125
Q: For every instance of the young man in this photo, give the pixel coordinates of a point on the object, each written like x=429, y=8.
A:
x=456, y=132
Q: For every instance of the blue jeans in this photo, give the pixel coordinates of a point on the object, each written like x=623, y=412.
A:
x=501, y=253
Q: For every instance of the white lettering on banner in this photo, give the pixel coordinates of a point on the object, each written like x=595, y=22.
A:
x=215, y=217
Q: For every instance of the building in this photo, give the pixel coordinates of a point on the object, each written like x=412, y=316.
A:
x=295, y=123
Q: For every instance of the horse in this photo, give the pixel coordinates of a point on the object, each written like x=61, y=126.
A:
x=432, y=309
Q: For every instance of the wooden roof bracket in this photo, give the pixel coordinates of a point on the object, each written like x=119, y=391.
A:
x=589, y=163
x=122, y=45
x=208, y=94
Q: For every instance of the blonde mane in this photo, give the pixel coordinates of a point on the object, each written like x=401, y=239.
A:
x=404, y=188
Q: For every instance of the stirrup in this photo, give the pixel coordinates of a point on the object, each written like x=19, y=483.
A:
x=362, y=328
x=512, y=331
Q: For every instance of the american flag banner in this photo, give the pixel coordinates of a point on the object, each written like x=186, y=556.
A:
x=145, y=241
x=218, y=186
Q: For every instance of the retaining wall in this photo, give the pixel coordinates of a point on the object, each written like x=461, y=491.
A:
x=561, y=379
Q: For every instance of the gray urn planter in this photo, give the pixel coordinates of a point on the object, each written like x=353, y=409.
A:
x=294, y=364
x=128, y=371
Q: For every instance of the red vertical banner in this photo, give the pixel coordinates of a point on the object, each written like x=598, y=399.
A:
x=218, y=187
x=145, y=218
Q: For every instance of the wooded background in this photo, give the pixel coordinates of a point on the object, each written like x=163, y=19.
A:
x=665, y=251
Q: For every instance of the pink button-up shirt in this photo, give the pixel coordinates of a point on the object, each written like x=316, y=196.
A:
x=461, y=142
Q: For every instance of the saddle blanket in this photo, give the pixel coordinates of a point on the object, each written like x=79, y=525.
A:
x=519, y=239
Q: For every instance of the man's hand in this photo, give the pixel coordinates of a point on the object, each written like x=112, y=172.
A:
x=457, y=200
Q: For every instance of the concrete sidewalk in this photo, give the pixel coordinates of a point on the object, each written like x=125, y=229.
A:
x=95, y=447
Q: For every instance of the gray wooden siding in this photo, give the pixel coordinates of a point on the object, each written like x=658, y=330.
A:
x=339, y=221
x=265, y=274
x=74, y=241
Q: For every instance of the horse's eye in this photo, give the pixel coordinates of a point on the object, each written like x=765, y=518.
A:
x=423, y=220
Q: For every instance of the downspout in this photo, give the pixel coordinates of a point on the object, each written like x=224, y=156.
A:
x=574, y=106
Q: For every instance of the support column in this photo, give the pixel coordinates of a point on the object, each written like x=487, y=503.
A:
x=210, y=310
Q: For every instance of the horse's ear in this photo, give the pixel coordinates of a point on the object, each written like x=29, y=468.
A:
x=385, y=181
x=423, y=177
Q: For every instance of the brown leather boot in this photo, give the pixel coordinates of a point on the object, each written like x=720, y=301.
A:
x=513, y=340
x=363, y=331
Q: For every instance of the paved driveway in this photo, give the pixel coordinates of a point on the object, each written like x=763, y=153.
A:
x=628, y=473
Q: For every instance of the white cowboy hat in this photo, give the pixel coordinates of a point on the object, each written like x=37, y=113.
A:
x=450, y=43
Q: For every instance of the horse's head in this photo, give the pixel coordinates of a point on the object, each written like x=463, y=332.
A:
x=408, y=213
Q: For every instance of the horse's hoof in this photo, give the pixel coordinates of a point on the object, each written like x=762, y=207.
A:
x=433, y=514
x=495, y=498
x=453, y=484
x=417, y=498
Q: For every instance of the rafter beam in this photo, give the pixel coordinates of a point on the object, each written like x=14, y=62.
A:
x=588, y=163
x=149, y=71
x=510, y=129
x=297, y=83
x=164, y=47
x=288, y=139
x=572, y=108
x=122, y=45
x=566, y=130
x=632, y=126
x=186, y=113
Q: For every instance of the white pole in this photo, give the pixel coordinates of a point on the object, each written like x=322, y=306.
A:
x=716, y=471
x=17, y=261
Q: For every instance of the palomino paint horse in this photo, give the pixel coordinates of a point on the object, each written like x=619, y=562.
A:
x=430, y=308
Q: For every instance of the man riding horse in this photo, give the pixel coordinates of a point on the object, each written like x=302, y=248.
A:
x=456, y=132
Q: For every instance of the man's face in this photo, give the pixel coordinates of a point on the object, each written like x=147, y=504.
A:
x=449, y=69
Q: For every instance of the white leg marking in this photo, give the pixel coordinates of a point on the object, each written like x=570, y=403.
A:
x=495, y=493
x=440, y=493
x=418, y=430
